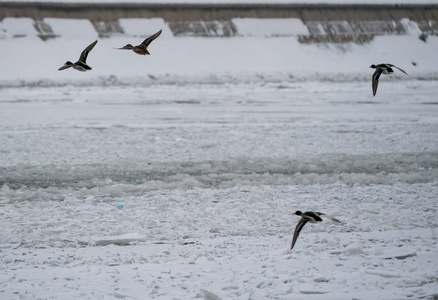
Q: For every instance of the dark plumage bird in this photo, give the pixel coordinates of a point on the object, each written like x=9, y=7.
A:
x=81, y=64
x=382, y=68
x=142, y=48
x=308, y=216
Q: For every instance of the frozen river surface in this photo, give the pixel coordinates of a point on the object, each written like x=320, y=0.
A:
x=187, y=191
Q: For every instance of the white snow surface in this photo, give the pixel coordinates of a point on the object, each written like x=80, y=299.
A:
x=175, y=175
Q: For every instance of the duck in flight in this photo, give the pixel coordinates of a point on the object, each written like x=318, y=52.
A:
x=311, y=217
x=142, y=48
x=81, y=64
x=382, y=68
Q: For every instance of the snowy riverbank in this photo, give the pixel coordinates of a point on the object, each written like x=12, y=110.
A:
x=266, y=51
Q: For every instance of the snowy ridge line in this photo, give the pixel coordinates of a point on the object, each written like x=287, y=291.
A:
x=322, y=169
x=225, y=78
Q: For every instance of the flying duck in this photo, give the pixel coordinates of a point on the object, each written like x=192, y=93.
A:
x=308, y=216
x=81, y=64
x=142, y=48
x=382, y=68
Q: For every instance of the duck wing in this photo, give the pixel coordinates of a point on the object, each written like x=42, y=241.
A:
x=149, y=40
x=84, y=54
x=392, y=66
x=298, y=228
x=329, y=217
x=376, y=77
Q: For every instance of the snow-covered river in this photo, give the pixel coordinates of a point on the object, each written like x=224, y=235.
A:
x=183, y=191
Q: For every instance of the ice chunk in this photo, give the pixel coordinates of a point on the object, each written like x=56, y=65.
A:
x=402, y=256
x=121, y=240
x=210, y=296
x=383, y=274
x=353, y=249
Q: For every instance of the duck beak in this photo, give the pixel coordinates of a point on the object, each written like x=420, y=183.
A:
x=294, y=213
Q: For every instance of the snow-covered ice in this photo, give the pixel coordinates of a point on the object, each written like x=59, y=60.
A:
x=208, y=177
x=155, y=181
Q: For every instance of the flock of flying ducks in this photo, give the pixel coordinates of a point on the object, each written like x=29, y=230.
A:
x=306, y=217
x=81, y=64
